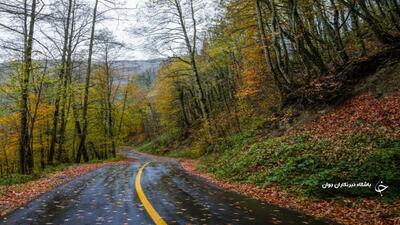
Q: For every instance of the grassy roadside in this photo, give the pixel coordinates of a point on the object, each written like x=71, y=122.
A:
x=17, y=178
x=302, y=163
x=152, y=148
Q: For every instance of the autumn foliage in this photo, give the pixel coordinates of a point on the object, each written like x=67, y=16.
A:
x=363, y=114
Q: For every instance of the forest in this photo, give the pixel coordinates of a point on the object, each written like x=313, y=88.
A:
x=233, y=72
x=258, y=59
x=58, y=105
x=274, y=99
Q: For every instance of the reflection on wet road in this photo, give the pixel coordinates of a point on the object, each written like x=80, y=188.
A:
x=108, y=196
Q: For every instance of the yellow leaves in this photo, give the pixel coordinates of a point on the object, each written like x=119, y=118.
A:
x=253, y=75
x=9, y=122
x=9, y=135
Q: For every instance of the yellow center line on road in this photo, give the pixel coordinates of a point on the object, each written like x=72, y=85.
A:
x=158, y=220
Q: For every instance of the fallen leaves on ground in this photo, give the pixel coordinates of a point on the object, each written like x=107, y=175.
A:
x=361, y=114
x=362, y=212
x=14, y=196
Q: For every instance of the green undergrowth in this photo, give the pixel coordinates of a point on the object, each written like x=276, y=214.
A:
x=17, y=178
x=165, y=144
x=115, y=159
x=187, y=153
x=151, y=148
x=303, y=163
x=182, y=152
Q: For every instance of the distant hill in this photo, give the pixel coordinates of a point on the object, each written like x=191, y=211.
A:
x=138, y=66
x=145, y=70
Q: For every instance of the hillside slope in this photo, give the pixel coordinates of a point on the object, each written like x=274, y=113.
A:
x=353, y=140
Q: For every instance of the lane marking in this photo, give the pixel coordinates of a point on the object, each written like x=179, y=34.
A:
x=158, y=220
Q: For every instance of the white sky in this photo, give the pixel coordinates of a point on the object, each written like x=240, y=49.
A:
x=129, y=19
x=122, y=21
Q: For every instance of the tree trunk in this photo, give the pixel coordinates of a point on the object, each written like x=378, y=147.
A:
x=267, y=54
x=109, y=112
x=25, y=152
x=68, y=37
x=82, y=147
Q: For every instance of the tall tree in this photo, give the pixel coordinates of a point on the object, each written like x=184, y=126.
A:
x=82, y=144
x=62, y=82
x=26, y=153
x=175, y=30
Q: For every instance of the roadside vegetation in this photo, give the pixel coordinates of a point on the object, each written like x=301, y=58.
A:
x=303, y=163
x=17, y=178
x=348, y=144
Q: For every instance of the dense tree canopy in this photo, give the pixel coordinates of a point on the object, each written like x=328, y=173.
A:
x=258, y=54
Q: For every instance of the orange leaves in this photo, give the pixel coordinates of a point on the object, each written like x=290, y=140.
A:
x=253, y=74
x=360, y=114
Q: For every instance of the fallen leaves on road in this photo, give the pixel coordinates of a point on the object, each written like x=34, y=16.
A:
x=14, y=196
x=361, y=212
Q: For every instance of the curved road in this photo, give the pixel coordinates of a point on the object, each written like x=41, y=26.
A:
x=108, y=196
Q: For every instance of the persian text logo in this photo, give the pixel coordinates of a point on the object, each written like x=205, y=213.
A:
x=346, y=185
x=380, y=187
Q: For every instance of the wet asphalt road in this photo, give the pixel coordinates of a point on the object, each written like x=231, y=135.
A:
x=108, y=196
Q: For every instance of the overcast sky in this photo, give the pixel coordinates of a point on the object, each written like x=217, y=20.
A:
x=126, y=20
x=121, y=22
